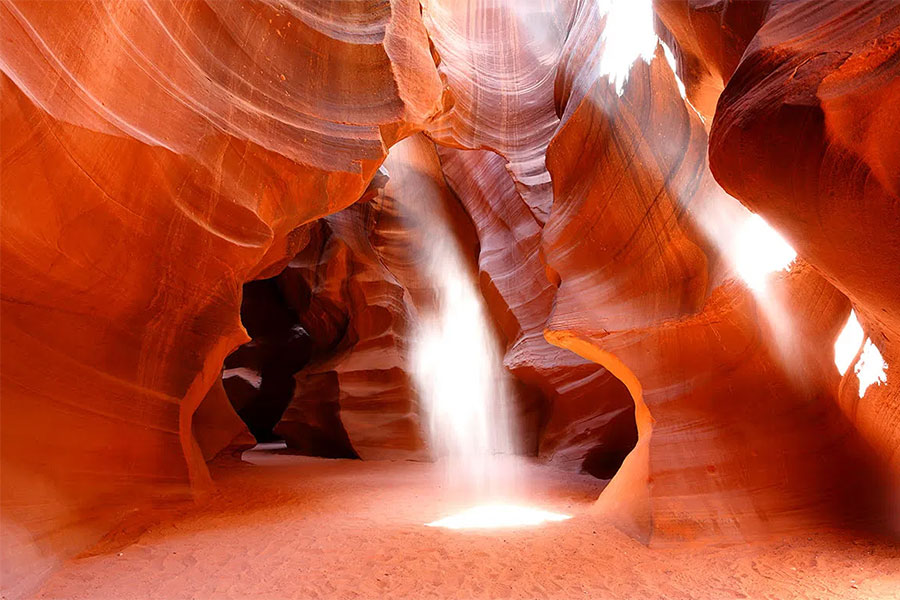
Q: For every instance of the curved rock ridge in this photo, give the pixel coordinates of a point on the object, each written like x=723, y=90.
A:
x=152, y=164
x=806, y=133
x=360, y=396
x=296, y=93
x=708, y=38
x=216, y=426
x=499, y=69
x=735, y=402
x=314, y=296
x=356, y=399
x=158, y=156
x=588, y=422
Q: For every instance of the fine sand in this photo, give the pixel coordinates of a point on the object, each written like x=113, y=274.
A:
x=284, y=526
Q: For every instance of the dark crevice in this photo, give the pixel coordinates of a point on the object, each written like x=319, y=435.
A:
x=291, y=328
x=279, y=347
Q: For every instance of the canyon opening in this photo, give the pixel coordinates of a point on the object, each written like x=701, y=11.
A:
x=449, y=299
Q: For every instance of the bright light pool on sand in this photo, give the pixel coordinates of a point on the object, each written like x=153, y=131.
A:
x=491, y=516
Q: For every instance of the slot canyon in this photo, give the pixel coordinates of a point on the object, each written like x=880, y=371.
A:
x=506, y=299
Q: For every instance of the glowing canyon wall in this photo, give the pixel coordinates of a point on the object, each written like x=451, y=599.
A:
x=638, y=237
x=157, y=157
x=813, y=103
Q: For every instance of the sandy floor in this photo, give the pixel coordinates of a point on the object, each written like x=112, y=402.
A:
x=295, y=527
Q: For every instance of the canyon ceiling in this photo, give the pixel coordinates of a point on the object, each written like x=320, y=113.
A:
x=157, y=156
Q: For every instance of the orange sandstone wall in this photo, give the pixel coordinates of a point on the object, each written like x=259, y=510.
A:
x=807, y=134
x=358, y=396
x=498, y=61
x=588, y=420
x=499, y=70
x=155, y=157
x=739, y=431
x=708, y=39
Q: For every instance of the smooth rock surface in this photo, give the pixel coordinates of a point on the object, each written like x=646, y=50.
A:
x=156, y=156
x=736, y=402
x=806, y=135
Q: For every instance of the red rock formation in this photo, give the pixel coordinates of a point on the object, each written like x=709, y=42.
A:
x=373, y=248
x=708, y=38
x=151, y=165
x=169, y=153
x=499, y=70
x=217, y=428
x=316, y=297
x=735, y=400
x=589, y=420
x=500, y=73
x=311, y=423
x=806, y=134
x=370, y=264
x=364, y=380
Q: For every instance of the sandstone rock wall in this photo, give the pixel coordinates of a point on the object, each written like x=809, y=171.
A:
x=588, y=420
x=155, y=157
x=370, y=263
x=647, y=288
x=806, y=134
x=158, y=156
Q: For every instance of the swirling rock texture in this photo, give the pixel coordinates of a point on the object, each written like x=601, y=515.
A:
x=498, y=60
x=708, y=38
x=813, y=103
x=157, y=157
x=645, y=290
x=589, y=417
x=359, y=397
x=153, y=161
x=314, y=295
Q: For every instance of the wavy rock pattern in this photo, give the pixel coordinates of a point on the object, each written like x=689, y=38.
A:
x=708, y=38
x=500, y=71
x=154, y=160
x=370, y=263
x=589, y=422
x=157, y=156
x=813, y=103
x=361, y=392
x=498, y=60
x=645, y=290
x=189, y=66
